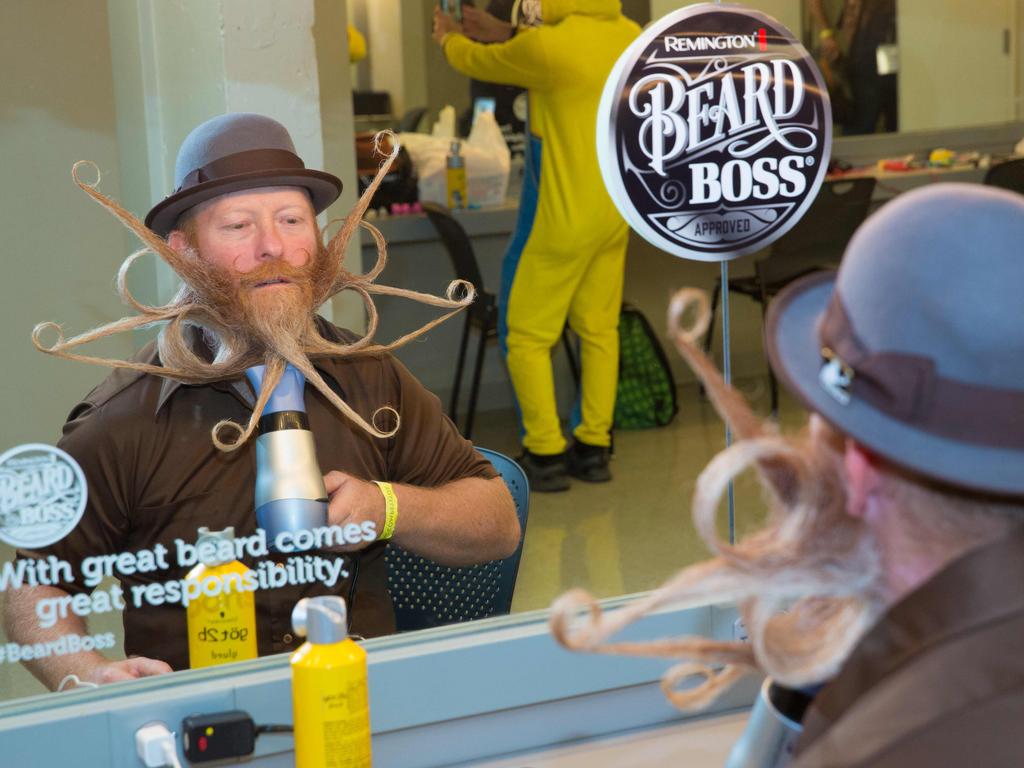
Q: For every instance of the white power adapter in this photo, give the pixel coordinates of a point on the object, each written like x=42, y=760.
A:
x=157, y=746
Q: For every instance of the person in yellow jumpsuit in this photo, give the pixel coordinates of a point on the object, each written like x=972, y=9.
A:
x=567, y=255
x=356, y=45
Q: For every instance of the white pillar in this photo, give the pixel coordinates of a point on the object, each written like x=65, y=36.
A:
x=180, y=62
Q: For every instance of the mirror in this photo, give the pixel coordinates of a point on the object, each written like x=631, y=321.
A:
x=951, y=65
x=83, y=97
x=916, y=65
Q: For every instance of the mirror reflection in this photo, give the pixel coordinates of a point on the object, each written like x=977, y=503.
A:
x=859, y=56
x=154, y=475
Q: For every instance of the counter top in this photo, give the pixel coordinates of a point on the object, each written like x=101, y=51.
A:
x=703, y=743
x=416, y=228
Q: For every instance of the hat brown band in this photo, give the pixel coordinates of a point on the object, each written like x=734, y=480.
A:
x=907, y=388
x=250, y=161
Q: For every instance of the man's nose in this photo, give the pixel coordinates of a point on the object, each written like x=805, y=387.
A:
x=271, y=244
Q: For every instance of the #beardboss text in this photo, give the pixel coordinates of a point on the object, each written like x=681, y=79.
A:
x=679, y=119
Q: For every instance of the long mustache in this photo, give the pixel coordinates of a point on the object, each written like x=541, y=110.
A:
x=195, y=305
x=275, y=270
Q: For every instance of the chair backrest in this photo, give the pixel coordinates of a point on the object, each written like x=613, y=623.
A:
x=457, y=243
x=411, y=120
x=818, y=240
x=1008, y=175
x=426, y=594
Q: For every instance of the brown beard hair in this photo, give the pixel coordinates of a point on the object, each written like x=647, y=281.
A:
x=200, y=302
x=276, y=323
x=808, y=584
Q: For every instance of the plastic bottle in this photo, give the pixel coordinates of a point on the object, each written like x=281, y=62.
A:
x=221, y=626
x=330, y=701
x=456, y=175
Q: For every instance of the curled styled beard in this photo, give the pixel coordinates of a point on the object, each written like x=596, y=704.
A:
x=808, y=585
x=270, y=321
x=209, y=300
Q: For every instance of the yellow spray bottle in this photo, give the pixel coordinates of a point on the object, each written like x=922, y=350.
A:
x=455, y=175
x=330, y=701
x=222, y=618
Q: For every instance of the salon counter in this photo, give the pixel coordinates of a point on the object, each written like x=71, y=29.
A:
x=471, y=695
x=700, y=743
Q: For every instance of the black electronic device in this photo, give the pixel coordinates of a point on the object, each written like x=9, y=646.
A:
x=218, y=736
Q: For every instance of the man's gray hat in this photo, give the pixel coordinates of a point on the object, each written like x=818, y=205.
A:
x=915, y=349
x=235, y=152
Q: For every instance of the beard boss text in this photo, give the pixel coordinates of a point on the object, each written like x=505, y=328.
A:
x=743, y=110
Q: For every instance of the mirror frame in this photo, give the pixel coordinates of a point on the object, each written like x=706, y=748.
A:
x=517, y=689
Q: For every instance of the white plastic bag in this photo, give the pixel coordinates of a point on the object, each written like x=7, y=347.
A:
x=487, y=163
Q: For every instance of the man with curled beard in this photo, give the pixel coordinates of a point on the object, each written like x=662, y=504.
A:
x=242, y=225
x=914, y=354
x=892, y=565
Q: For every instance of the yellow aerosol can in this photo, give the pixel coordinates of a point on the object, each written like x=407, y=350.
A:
x=330, y=700
x=222, y=617
x=455, y=176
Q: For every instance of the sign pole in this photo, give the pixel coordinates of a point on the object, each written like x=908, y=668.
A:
x=727, y=375
x=713, y=137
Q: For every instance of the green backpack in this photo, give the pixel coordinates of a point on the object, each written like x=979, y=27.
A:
x=646, y=395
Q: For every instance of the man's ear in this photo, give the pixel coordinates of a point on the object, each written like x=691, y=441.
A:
x=177, y=240
x=861, y=478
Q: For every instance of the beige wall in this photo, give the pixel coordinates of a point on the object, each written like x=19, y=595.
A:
x=334, y=76
x=955, y=70
x=61, y=250
x=786, y=11
x=1018, y=39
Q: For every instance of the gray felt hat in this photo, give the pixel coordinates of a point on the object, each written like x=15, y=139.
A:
x=915, y=348
x=235, y=152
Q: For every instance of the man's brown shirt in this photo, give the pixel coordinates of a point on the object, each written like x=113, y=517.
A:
x=154, y=476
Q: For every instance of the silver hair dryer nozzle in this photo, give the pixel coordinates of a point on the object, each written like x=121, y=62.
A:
x=772, y=730
x=290, y=492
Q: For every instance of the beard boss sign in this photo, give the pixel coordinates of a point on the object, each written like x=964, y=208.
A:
x=714, y=132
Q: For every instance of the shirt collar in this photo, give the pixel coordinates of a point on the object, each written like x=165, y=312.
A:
x=239, y=387
x=977, y=588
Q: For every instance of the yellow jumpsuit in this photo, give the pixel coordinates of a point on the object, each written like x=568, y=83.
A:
x=567, y=255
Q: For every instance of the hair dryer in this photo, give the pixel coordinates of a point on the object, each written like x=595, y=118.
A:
x=773, y=728
x=290, y=492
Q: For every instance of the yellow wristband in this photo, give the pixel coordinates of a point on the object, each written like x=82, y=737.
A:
x=826, y=34
x=390, y=509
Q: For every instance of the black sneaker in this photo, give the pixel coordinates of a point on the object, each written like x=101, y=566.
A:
x=547, y=474
x=589, y=463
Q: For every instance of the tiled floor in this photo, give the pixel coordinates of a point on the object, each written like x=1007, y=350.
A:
x=630, y=534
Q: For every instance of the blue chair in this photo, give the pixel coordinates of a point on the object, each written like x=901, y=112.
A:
x=426, y=594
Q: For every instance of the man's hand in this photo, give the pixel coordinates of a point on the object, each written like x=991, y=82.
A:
x=105, y=671
x=483, y=27
x=22, y=626
x=464, y=522
x=444, y=23
x=353, y=501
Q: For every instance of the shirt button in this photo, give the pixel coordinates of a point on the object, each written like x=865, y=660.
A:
x=287, y=637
